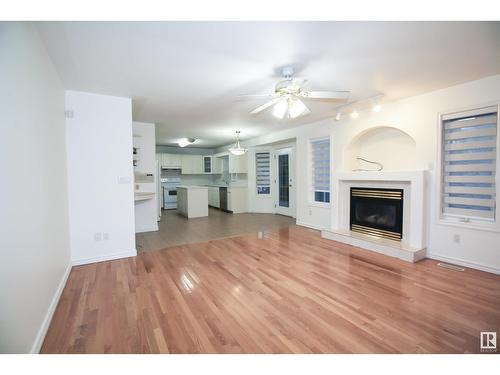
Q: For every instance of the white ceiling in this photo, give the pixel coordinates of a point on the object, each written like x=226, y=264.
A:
x=185, y=76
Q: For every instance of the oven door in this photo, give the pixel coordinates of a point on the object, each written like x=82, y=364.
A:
x=169, y=197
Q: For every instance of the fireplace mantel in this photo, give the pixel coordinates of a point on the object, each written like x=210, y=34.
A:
x=412, y=246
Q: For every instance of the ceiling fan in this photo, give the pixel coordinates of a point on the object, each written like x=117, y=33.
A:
x=289, y=94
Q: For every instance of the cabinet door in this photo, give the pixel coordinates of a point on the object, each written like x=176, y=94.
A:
x=207, y=164
x=217, y=165
x=238, y=164
x=186, y=164
x=197, y=164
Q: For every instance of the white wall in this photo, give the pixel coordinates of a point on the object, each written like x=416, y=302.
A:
x=100, y=177
x=33, y=200
x=417, y=116
x=145, y=211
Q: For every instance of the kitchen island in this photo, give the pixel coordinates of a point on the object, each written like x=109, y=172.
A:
x=192, y=201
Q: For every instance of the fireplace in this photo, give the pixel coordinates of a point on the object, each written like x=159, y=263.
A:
x=377, y=212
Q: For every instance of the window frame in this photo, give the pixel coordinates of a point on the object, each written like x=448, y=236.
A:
x=460, y=221
x=263, y=195
x=312, y=202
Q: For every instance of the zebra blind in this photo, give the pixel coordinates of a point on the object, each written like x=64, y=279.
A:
x=320, y=149
x=469, y=153
x=263, y=172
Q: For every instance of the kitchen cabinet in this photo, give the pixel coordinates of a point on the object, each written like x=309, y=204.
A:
x=191, y=164
x=216, y=165
x=192, y=201
x=170, y=161
x=207, y=164
x=238, y=164
x=237, y=199
x=213, y=197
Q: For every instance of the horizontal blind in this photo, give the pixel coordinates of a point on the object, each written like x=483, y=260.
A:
x=469, y=165
x=263, y=170
x=321, y=165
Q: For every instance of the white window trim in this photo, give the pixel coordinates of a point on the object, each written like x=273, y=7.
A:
x=493, y=226
x=311, y=201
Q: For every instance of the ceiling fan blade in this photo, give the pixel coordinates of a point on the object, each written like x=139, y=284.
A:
x=254, y=96
x=265, y=106
x=326, y=95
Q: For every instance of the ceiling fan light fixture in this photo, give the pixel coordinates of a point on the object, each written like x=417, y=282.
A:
x=377, y=108
x=296, y=108
x=354, y=114
x=186, y=142
x=237, y=150
x=280, y=109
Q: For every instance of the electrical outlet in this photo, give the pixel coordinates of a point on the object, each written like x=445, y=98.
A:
x=456, y=238
x=105, y=236
x=97, y=236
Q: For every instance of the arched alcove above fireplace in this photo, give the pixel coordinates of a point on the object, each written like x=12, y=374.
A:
x=387, y=145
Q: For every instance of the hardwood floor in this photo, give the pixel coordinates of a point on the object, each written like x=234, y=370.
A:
x=286, y=291
x=175, y=230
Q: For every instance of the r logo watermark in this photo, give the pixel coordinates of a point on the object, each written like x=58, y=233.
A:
x=488, y=342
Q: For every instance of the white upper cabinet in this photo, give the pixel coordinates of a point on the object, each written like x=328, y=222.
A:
x=238, y=164
x=191, y=164
x=207, y=164
x=170, y=161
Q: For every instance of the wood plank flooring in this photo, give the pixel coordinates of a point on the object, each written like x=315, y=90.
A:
x=175, y=230
x=284, y=291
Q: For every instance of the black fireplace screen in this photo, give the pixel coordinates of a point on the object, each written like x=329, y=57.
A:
x=377, y=212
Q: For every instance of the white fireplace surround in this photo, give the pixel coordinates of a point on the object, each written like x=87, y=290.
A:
x=412, y=246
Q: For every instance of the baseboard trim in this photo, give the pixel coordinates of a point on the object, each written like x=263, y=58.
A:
x=147, y=229
x=307, y=225
x=263, y=211
x=464, y=263
x=124, y=254
x=40, y=337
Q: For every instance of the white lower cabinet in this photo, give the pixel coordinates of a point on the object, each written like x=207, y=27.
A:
x=237, y=199
x=213, y=197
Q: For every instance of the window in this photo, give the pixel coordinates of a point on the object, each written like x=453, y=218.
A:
x=262, y=172
x=320, y=157
x=469, y=155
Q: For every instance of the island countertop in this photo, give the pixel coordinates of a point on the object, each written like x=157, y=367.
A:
x=191, y=187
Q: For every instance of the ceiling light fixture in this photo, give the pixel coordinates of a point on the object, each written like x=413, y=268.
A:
x=186, y=142
x=296, y=108
x=280, y=109
x=237, y=149
x=354, y=114
x=377, y=108
x=338, y=116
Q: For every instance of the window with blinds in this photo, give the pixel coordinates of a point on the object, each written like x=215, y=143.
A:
x=320, y=157
x=469, y=156
x=263, y=172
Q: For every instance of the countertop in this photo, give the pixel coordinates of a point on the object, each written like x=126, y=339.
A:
x=191, y=187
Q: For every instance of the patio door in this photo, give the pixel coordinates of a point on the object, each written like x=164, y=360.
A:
x=284, y=184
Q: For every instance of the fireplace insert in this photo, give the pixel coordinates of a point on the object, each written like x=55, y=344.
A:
x=377, y=212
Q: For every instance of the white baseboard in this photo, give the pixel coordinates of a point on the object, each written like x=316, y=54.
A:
x=312, y=226
x=37, y=345
x=262, y=211
x=147, y=229
x=464, y=263
x=103, y=258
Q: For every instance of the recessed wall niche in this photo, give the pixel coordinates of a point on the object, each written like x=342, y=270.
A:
x=393, y=148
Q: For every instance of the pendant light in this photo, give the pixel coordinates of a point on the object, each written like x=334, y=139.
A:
x=237, y=149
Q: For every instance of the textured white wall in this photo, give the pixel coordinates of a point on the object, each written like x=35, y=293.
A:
x=33, y=200
x=100, y=177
